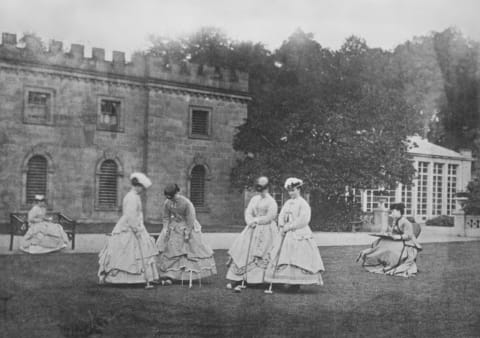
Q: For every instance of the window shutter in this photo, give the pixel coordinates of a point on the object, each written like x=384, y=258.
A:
x=107, y=187
x=200, y=122
x=36, y=177
x=197, y=186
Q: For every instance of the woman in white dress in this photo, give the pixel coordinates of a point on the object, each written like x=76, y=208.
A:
x=43, y=235
x=295, y=259
x=249, y=253
x=129, y=254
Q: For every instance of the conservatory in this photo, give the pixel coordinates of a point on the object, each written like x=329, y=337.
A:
x=440, y=174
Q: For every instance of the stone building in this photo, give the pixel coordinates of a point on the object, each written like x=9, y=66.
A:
x=74, y=127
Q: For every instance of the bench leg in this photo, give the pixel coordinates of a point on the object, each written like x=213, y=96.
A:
x=11, y=242
x=73, y=241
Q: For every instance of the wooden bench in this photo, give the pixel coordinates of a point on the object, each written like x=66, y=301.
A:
x=19, y=225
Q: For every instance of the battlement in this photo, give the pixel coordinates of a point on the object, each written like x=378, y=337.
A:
x=141, y=66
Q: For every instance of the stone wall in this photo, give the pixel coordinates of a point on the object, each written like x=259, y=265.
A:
x=74, y=146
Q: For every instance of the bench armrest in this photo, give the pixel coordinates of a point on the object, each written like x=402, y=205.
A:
x=18, y=224
x=66, y=222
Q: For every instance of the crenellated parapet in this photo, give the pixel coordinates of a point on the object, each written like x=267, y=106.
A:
x=140, y=68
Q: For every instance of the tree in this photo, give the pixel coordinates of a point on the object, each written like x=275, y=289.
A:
x=459, y=107
x=333, y=118
x=415, y=65
x=329, y=119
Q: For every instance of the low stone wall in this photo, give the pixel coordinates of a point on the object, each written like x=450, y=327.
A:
x=472, y=225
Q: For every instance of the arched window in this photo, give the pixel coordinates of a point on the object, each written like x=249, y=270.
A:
x=108, y=185
x=197, y=186
x=36, y=177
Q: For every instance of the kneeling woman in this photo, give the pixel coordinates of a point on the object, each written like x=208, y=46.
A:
x=129, y=254
x=183, y=255
x=396, y=252
x=295, y=259
x=43, y=235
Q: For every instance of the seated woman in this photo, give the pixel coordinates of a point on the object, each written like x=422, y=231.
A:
x=248, y=254
x=295, y=259
x=128, y=257
x=43, y=235
x=183, y=255
x=395, y=253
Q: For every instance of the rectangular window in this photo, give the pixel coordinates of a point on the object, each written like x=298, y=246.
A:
x=39, y=99
x=390, y=198
x=38, y=105
x=407, y=199
x=422, y=191
x=200, y=122
x=109, y=116
x=451, y=187
x=371, y=203
x=372, y=196
x=437, y=189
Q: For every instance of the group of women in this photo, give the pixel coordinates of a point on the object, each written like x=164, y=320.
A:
x=266, y=252
x=132, y=256
x=263, y=253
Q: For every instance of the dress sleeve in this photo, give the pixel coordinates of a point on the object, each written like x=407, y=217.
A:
x=303, y=217
x=166, y=214
x=407, y=230
x=250, y=211
x=190, y=216
x=271, y=213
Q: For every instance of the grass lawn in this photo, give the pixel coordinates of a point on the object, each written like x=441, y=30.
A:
x=56, y=295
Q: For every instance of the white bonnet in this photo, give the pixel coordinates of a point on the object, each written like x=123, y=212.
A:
x=293, y=182
x=142, y=179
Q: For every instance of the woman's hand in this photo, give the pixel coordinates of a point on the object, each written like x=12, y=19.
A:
x=397, y=237
x=136, y=231
x=186, y=235
x=254, y=223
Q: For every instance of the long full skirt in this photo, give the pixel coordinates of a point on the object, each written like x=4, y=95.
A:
x=295, y=260
x=128, y=259
x=390, y=257
x=44, y=237
x=182, y=259
x=249, y=253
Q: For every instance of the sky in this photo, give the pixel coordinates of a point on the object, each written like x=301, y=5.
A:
x=127, y=25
